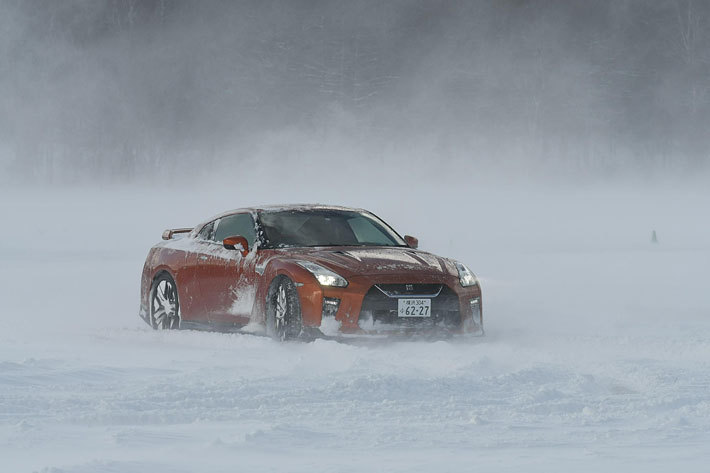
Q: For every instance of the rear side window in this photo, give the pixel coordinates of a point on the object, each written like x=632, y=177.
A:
x=206, y=232
x=233, y=225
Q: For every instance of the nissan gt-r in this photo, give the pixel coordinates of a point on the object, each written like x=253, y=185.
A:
x=304, y=271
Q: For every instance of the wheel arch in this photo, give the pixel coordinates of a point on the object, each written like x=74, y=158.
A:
x=309, y=291
x=159, y=272
x=148, y=278
x=164, y=269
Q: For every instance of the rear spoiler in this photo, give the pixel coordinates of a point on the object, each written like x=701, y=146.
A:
x=168, y=234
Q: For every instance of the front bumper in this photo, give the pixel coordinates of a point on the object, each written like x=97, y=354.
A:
x=365, y=309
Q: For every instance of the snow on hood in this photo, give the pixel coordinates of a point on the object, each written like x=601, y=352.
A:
x=379, y=260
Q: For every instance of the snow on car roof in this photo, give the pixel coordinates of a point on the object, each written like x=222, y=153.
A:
x=276, y=208
x=287, y=207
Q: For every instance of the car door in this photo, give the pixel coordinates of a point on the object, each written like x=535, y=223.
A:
x=192, y=300
x=227, y=279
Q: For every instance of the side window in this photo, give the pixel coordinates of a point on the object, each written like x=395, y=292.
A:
x=206, y=232
x=366, y=232
x=233, y=225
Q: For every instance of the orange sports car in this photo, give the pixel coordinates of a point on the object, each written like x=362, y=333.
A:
x=305, y=271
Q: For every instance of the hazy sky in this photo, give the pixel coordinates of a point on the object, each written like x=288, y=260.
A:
x=117, y=90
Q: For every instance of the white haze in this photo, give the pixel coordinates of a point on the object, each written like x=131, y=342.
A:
x=540, y=143
x=140, y=90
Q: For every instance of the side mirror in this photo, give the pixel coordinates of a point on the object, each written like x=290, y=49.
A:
x=231, y=243
x=411, y=241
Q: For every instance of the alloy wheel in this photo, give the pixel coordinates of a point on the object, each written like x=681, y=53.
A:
x=165, y=313
x=281, y=312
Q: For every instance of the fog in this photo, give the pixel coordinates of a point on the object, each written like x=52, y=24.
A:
x=132, y=91
x=542, y=143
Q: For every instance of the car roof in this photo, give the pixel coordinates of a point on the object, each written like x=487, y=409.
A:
x=286, y=208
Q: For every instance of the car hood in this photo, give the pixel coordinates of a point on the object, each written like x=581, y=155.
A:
x=348, y=261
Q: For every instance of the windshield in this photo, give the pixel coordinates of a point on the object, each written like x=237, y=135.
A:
x=297, y=228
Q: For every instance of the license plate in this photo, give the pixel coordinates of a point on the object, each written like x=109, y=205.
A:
x=414, y=307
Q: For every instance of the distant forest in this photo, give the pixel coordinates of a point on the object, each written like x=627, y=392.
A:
x=119, y=89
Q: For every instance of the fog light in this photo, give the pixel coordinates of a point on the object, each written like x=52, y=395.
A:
x=476, y=311
x=330, y=306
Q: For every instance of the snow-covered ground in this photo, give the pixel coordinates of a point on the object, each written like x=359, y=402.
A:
x=597, y=354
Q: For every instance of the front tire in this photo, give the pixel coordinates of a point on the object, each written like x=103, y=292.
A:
x=283, y=310
x=164, y=304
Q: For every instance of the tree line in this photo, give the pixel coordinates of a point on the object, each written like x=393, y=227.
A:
x=120, y=89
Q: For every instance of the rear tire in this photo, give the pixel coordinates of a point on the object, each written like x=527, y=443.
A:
x=283, y=310
x=164, y=304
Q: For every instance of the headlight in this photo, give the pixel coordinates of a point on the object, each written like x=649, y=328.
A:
x=466, y=277
x=324, y=276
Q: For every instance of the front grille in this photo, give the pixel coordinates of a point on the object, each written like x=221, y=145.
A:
x=410, y=290
x=379, y=305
